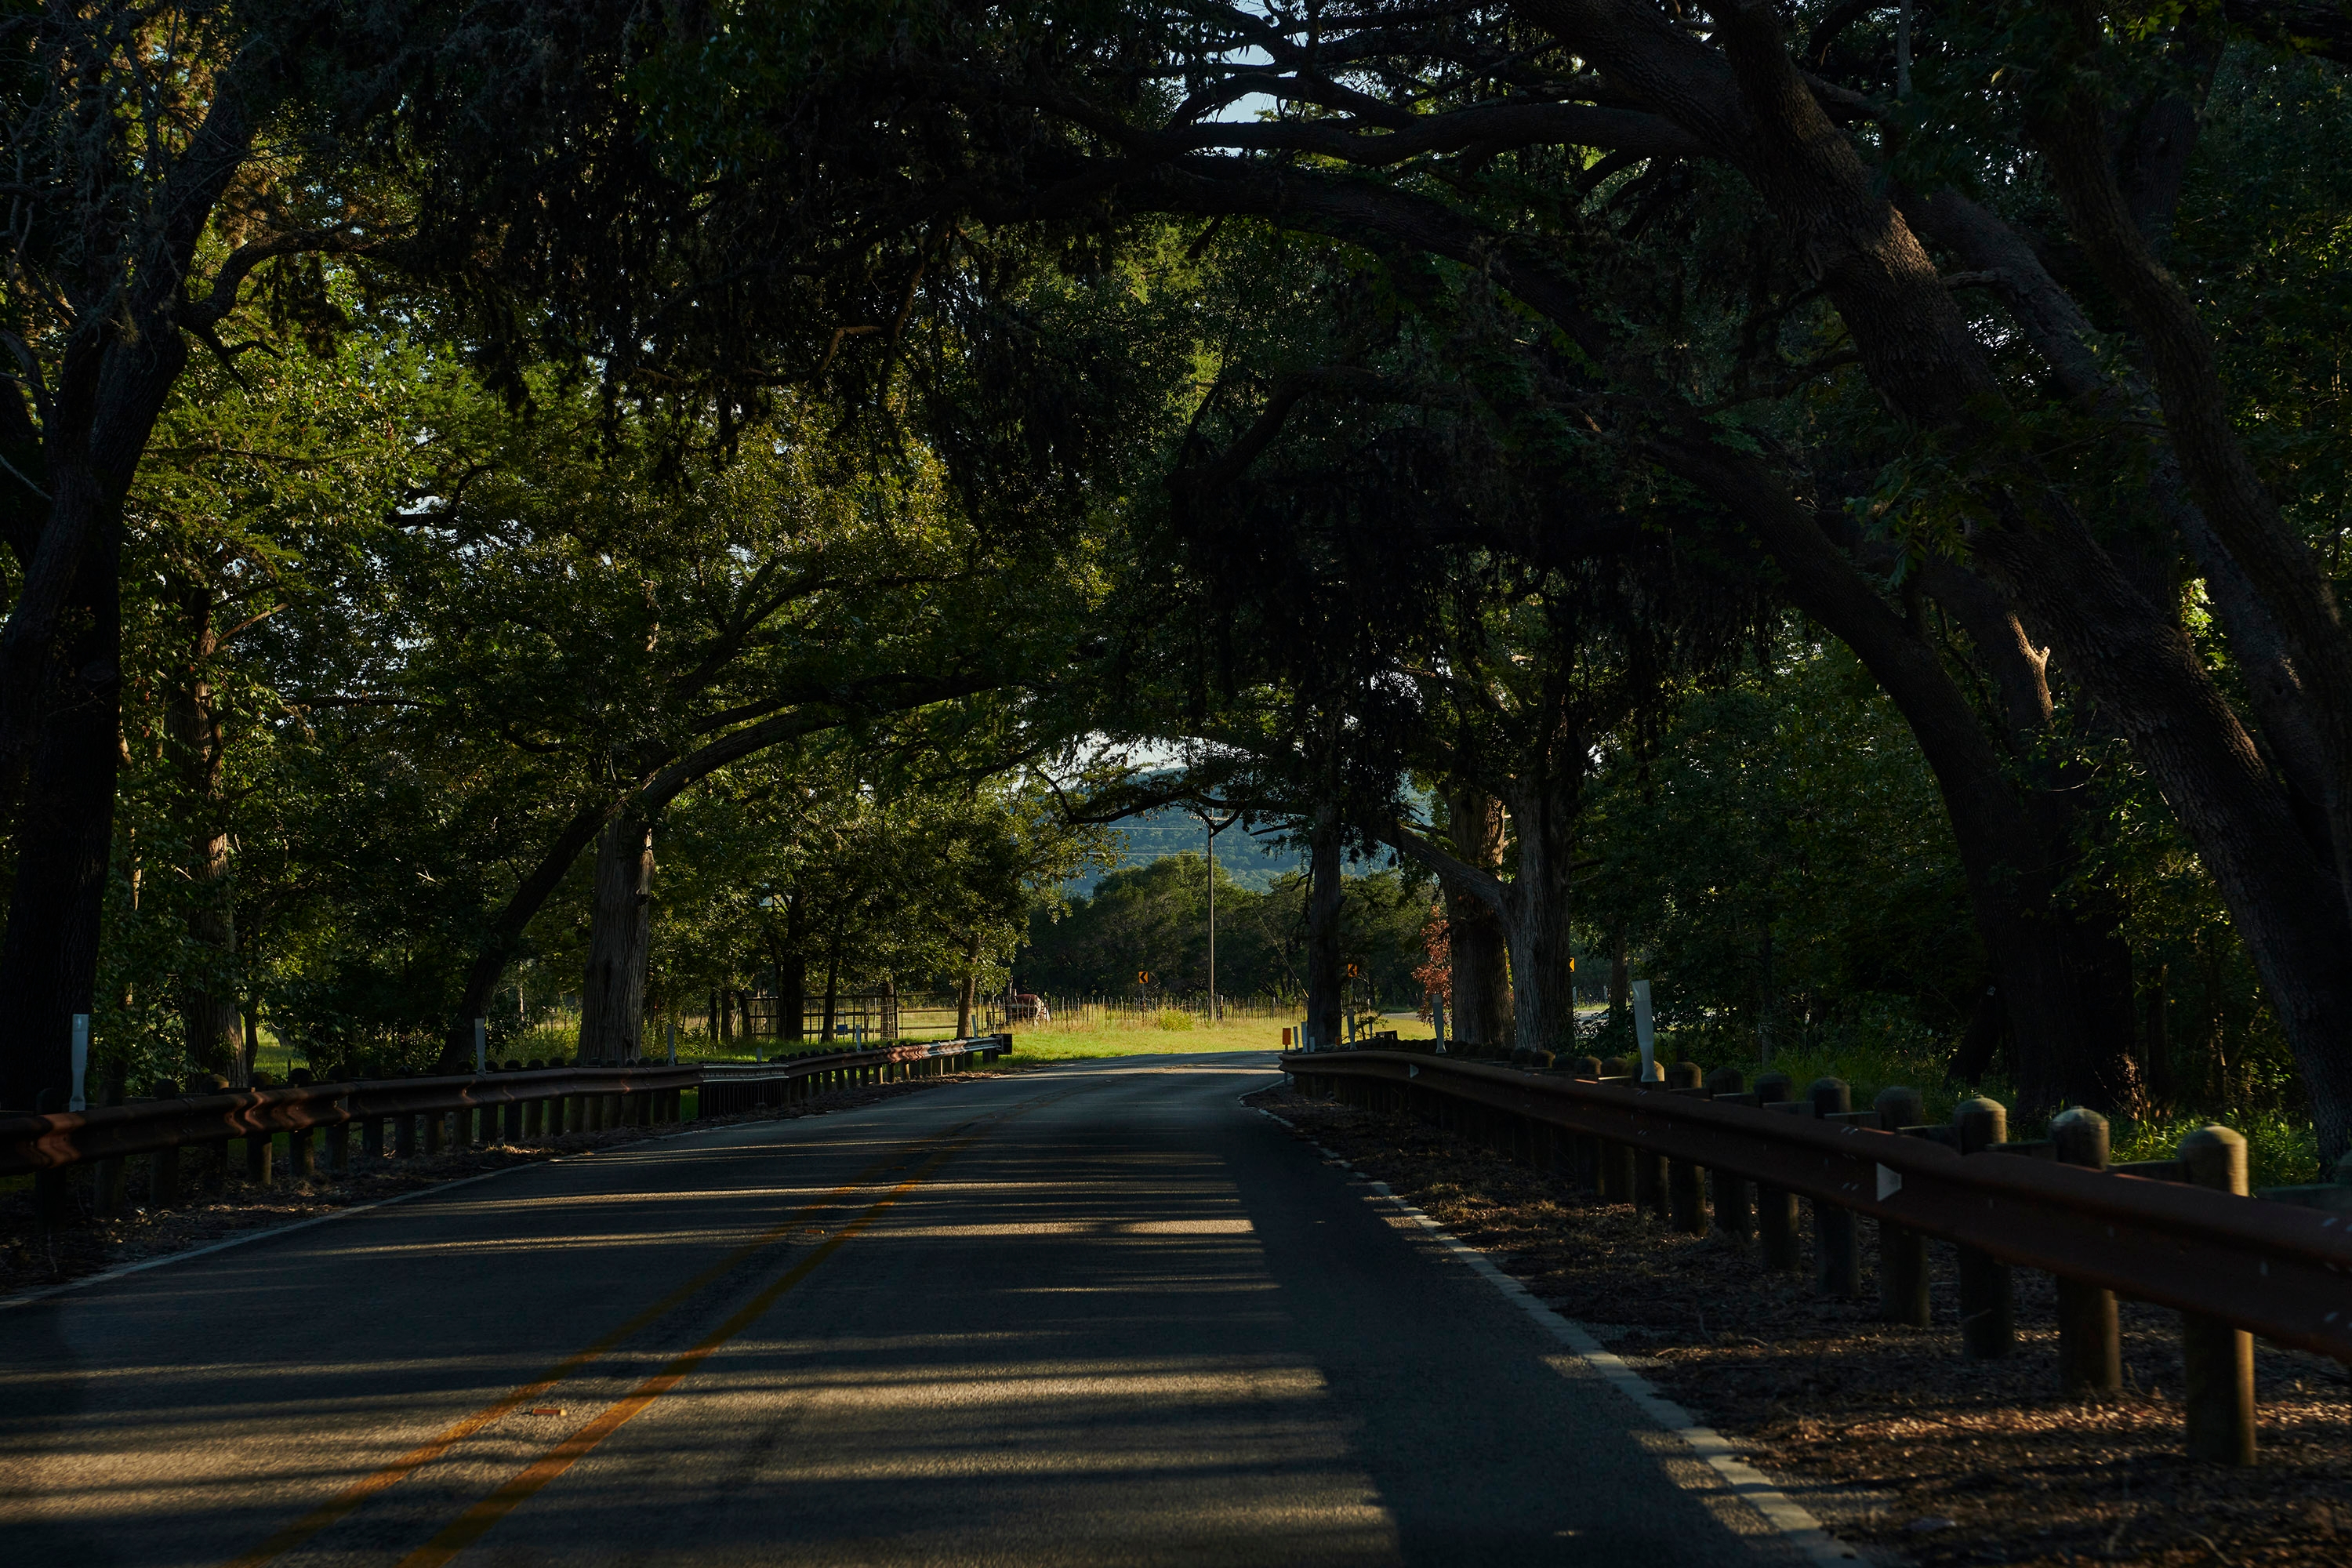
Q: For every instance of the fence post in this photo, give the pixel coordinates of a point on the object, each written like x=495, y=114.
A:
x=302, y=1161
x=1584, y=1148
x=436, y=1130
x=1902, y=1251
x=2090, y=1345
x=1988, y=1305
x=163, y=1169
x=1728, y=1190
x=403, y=1135
x=106, y=1180
x=257, y=1145
x=2219, y=1359
x=1776, y=1208
x=1685, y=1201
x=1837, y=1259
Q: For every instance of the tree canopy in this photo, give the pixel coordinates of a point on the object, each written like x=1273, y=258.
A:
x=1836, y=509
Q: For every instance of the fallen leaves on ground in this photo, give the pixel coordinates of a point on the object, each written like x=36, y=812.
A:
x=1897, y=1442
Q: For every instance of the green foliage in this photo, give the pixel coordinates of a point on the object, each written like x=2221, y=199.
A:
x=1155, y=917
x=1779, y=866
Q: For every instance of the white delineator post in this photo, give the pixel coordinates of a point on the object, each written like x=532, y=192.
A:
x=80, y=1062
x=481, y=1045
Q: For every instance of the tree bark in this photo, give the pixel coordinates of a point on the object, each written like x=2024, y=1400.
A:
x=1481, y=974
x=968, y=992
x=1535, y=902
x=1751, y=109
x=208, y=1003
x=60, y=671
x=65, y=836
x=1325, y=976
x=506, y=931
x=613, y=992
x=832, y=985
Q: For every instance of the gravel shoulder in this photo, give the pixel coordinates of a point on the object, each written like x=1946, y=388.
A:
x=1890, y=1437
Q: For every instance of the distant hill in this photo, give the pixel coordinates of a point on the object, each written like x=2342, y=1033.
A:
x=1253, y=863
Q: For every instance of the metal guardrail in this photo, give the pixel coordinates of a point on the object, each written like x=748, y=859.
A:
x=645, y=1092
x=2278, y=1269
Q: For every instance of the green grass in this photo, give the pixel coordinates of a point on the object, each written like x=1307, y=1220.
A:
x=1166, y=1033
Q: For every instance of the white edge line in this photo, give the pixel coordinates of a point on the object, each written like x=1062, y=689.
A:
x=1801, y=1529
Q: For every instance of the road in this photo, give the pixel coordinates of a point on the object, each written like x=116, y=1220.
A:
x=1100, y=1313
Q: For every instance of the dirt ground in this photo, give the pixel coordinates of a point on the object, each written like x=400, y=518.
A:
x=31, y=1258
x=1886, y=1433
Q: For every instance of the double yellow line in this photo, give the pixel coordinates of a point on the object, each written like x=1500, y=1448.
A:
x=470, y=1525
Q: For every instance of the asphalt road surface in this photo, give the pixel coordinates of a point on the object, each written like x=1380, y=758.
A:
x=1100, y=1313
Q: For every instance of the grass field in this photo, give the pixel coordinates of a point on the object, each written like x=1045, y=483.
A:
x=1171, y=1033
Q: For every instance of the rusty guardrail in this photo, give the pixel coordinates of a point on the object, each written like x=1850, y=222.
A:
x=485, y=1104
x=2277, y=1269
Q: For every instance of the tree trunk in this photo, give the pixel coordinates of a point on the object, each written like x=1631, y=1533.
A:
x=1325, y=977
x=2055, y=962
x=207, y=994
x=1919, y=352
x=832, y=985
x=613, y=993
x=64, y=837
x=792, y=995
x=1482, y=985
x=1535, y=904
x=968, y=992
x=506, y=931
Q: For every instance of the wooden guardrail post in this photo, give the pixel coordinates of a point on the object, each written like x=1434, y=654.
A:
x=338, y=1146
x=209, y=1174
x=1650, y=1170
x=2217, y=1357
x=403, y=1135
x=1776, y=1208
x=301, y=1157
x=1988, y=1305
x=1685, y=1202
x=257, y=1146
x=436, y=1130
x=106, y=1196
x=164, y=1166
x=1728, y=1190
x=2090, y=1344
x=1584, y=1148
x=1616, y=1160
x=1902, y=1251
x=1837, y=1257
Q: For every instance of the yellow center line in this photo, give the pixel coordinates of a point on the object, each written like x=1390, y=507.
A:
x=352, y=1497
x=471, y=1525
